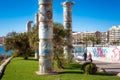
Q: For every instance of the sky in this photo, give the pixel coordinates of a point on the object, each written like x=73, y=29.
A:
x=87, y=15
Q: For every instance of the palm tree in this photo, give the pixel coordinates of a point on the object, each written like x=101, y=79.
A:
x=93, y=40
x=86, y=39
x=59, y=42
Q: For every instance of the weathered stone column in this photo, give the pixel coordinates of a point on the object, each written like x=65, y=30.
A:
x=36, y=24
x=45, y=37
x=28, y=26
x=36, y=19
x=67, y=11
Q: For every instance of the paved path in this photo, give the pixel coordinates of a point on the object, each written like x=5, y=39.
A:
x=109, y=67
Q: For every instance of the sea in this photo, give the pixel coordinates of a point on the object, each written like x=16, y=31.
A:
x=2, y=51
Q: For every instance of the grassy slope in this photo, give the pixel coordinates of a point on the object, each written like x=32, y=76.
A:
x=19, y=69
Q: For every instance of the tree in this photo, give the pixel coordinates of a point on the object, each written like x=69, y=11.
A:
x=93, y=40
x=86, y=39
x=34, y=40
x=59, y=42
x=9, y=39
x=98, y=40
x=18, y=43
x=115, y=42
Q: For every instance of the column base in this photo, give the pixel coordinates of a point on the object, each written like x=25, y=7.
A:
x=52, y=73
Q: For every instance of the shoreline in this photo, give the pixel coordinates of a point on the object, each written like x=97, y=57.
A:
x=2, y=51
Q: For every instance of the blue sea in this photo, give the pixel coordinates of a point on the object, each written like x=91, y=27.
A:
x=3, y=52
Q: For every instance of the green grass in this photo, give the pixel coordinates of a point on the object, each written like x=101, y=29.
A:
x=0, y=63
x=19, y=69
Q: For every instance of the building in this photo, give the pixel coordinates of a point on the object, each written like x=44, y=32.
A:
x=1, y=40
x=78, y=37
x=104, y=37
x=114, y=34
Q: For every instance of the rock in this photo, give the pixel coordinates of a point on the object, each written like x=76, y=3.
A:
x=101, y=70
x=118, y=74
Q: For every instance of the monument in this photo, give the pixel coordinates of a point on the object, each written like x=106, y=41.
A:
x=45, y=37
x=67, y=11
x=36, y=25
x=36, y=19
x=28, y=26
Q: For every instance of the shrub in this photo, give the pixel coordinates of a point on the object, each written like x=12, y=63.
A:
x=89, y=68
x=84, y=65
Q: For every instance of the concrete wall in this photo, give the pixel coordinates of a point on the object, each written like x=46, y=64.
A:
x=2, y=67
x=107, y=54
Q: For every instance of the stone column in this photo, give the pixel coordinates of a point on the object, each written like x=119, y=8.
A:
x=67, y=11
x=3, y=40
x=36, y=19
x=28, y=26
x=36, y=24
x=45, y=37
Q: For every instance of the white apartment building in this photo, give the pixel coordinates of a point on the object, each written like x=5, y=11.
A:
x=78, y=36
x=114, y=34
x=104, y=37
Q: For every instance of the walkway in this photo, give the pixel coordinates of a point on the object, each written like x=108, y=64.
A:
x=109, y=67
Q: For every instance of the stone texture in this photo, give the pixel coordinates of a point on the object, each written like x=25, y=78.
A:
x=118, y=74
x=67, y=11
x=45, y=38
x=28, y=26
x=101, y=70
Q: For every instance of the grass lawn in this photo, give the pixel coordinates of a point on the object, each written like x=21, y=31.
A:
x=19, y=69
x=0, y=63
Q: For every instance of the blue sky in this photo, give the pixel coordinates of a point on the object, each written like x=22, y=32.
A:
x=88, y=15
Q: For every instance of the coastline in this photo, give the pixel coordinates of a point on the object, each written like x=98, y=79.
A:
x=2, y=51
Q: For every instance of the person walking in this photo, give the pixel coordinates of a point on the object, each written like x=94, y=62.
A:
x=85, y=56
x=90, y=57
